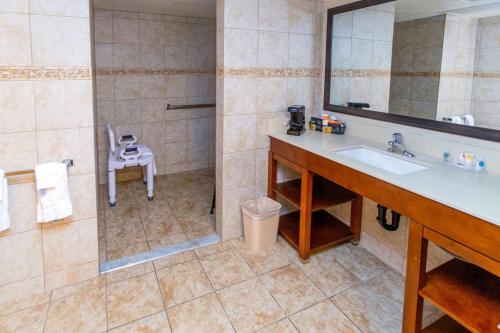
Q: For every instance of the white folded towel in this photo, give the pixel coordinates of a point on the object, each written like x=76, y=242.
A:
x=4, y=203
x=457, y=120
x=54, y=201
x=468, y=120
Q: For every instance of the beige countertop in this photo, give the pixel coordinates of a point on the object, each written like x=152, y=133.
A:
x=477, y=194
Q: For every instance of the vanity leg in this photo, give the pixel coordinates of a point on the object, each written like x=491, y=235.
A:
x=305, y=215
x=272, y=176
x=415, y=278
x=356, y=218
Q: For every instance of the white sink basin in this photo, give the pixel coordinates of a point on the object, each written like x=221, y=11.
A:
x=382, y=161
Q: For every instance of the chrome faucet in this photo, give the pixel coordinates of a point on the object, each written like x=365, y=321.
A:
x=397, y=146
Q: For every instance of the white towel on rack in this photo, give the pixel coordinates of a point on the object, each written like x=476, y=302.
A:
x=457, y=120
x=54, y=201
x=4, y=203
x=468, y=120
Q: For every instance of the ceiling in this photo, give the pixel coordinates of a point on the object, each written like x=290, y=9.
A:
x=414, y=9
x=192, y=8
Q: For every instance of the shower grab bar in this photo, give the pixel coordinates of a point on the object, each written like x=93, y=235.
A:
x=188, y=106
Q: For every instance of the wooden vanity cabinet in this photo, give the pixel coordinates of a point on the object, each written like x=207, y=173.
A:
x=468, y=292
x=311, y=229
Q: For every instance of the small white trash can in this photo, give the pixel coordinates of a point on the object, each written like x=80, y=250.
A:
x=260, y=222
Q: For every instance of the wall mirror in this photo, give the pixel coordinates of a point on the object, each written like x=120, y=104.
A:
x=433, y=64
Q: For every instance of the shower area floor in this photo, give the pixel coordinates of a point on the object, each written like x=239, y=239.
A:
x=179, y=212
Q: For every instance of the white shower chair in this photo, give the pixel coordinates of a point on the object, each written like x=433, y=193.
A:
x=128, y=154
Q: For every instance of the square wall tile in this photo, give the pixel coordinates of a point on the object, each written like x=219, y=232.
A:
x=241, y=14
x=239, y=133
x=272, y=95
x=75, y=8
x=103, y=55
x=103, y=29
x=70, y=244
x=63, y=104
x=302, y=17
x=240, y=95
x=18, y=102
x=301, y=51
x=15, y=6
x=231, y=219
x=22, y=257
x=152, y=56
x=240, y=48
x=20, y=149
x=238, y=169
x=76, y=144
x=60, y=41
x=125, y=31
x=15, y=30
x=273, y=49
x=126, y=56
x=274, y=15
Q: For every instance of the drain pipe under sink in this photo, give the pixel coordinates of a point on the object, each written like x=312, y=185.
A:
x=382, y=219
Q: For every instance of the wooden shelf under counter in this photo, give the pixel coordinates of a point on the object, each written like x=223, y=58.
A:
x=466, y=293
x=325, y=193
x=326, y=230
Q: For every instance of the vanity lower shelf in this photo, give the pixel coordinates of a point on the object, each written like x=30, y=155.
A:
x=326, y=230
x=466, y=293
x=325, y=193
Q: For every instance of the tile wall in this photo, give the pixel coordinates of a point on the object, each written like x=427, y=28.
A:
x=486, y=87
x=46, y=114
x=457, y=67
x=268, y=58
x=361, y=56
x=144, y=61
x=416, y=63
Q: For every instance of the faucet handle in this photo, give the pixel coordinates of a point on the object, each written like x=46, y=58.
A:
x=397, y=138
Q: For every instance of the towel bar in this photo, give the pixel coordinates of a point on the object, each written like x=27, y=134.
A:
x=27, y=176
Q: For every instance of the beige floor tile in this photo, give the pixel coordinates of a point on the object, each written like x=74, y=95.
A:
x=197, y=219
x=183, y=282
x=283, y=326
x=72, y=289
x=213, y=248
x=24, y=303
x=167, y=241
x=226, y=268
x=292, y=289
x=266, y=261
x=200, y=232
x=160, y=229
x=249, y=306
x=128, y=272
x=365, y=303
x=118, y=237
x=174, y=259
x=131, y=299
x=81, y=312
x=157, y=323
x=201, y=315
x=30, y=320
x=328, y=275
x=358, y=261
x=127, y=250
x=323, y=317
x=124, y=214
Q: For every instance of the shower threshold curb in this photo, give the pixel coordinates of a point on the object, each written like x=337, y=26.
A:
x=157, y=254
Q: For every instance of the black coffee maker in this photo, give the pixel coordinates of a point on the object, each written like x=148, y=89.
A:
x=297, y=120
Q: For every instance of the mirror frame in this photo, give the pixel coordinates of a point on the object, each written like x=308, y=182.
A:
x=435, y=125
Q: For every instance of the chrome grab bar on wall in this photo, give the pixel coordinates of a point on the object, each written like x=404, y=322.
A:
x=188, y=106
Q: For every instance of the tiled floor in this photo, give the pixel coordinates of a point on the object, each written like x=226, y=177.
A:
x=179, y=212
x=224, y=288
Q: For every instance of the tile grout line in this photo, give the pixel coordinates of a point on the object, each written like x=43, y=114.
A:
x=161, y=295
x=217, y=296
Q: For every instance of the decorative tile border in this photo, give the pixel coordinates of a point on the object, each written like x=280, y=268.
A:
x=45, y=73
x=380, y=73
x=149, y=71
x=359, y=73
x=268, y=72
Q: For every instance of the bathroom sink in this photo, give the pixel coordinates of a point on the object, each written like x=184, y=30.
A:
x=381, y=160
